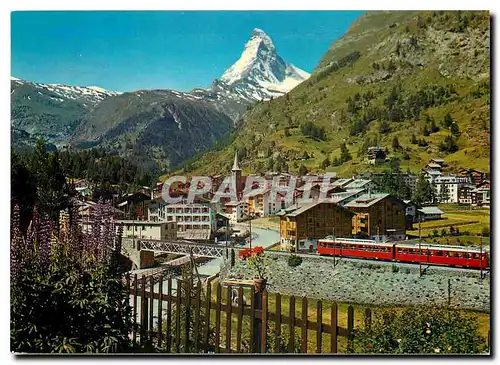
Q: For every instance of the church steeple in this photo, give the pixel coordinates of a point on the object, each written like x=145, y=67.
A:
x=236, y=166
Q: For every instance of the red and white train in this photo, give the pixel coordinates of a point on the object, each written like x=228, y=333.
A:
x=468, y=257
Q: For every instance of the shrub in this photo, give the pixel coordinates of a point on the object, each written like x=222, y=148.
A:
x=420, y=330
x=67, y=293
x=485, y=232
x=294, y=260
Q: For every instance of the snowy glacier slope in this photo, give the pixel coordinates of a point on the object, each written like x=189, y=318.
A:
x=260, y=73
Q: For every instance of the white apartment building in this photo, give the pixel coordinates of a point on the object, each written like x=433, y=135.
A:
x=453, y=183
x=194, y=221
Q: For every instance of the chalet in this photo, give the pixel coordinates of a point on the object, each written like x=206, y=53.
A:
x=316, y=190
x=477, y=176
x=149, y=230
x=378, y=216
x=438, y=161
x=411, y=213
x=481, y=195
x=236, y=210
x=465, y=194
x=135, y=204
x=260, y=203
x=302, y=225
x=433, y=166
x=430, y=213
x=375, y=155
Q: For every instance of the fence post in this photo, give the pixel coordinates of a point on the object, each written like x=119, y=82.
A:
x=333, y=324
x=319, y=331
x=144, y=312
x=263, y=319
x=134, y=311
x=232, y=257
x=350, y=328
x=303, y=339
x=257, y=322
x=368, y=318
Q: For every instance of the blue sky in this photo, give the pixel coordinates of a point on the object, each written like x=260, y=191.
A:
x=127, y=51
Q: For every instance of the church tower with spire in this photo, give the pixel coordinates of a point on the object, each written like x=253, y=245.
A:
x=236, y=175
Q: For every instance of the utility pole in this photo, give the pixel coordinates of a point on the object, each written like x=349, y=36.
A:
x=227, y=228
x=449, y=292
x=334, y=245
x=250, y=238
x=481, y=256
x=419, y=247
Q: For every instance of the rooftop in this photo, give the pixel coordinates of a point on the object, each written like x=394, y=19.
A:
x=142, y=223
x=339, y=197
x=298, y=209
x=358, y=183
x=366, y=200
x=431, y=210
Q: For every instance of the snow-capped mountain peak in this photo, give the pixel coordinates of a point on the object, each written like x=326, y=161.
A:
x=60, y=92
x=260, y=73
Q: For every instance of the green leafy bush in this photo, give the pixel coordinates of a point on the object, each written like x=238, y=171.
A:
x=67, y=292
x=421, y=330
x=294, y=260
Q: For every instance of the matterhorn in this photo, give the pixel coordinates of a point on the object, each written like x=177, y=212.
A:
x=260, y=73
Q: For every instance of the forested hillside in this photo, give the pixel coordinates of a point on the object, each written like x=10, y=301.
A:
x=415, y=83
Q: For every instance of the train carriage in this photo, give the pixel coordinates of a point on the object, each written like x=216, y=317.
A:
x=442, y=255
x=468, y=257
x=367, y=249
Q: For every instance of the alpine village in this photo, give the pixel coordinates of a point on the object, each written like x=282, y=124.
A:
x=346, y=211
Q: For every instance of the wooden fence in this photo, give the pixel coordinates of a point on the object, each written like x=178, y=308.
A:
x=189, y=320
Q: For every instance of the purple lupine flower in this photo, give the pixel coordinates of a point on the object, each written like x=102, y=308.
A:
x=15, y=257
x=118, y=238
x=95, y=232
x=44, y=243
x=15, y=223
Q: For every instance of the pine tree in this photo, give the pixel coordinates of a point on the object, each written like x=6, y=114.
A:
x=395, y=143
x=325, y=163
x=302, y=170
x=424, y=192
x=454, y=130
x=344, y=153
x=384, y=127
x=447, y=121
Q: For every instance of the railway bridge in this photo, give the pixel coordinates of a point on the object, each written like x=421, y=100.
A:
x=141, y=251
x=182, y=247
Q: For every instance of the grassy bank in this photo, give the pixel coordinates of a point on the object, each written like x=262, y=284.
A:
x=471, y=221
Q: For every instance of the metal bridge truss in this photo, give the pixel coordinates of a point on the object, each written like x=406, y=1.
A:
x=183, y=248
